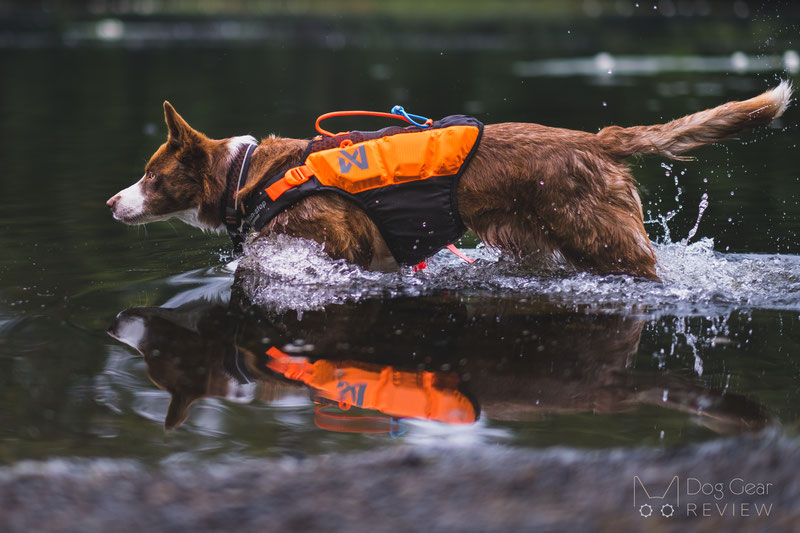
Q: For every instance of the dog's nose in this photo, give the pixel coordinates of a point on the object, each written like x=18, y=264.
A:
x=112, y=201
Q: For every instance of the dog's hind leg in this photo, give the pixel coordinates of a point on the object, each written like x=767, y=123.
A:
x=598, y=226
x=542, y=192
x=608, y=239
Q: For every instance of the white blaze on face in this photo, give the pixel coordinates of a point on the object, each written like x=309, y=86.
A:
x=131, y=202
x=130, y=205
x=130, y=330
x=130, y=208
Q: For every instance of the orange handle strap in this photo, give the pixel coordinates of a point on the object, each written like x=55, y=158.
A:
x=351, y=114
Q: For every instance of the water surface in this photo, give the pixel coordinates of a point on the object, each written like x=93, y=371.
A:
x=233, y=361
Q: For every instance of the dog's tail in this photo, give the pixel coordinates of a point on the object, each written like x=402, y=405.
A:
x=692, y=131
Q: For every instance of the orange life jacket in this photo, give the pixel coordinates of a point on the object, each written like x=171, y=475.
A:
x=397, y=393
x=405, y=179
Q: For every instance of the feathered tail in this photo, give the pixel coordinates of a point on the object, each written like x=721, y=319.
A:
x=692, y=131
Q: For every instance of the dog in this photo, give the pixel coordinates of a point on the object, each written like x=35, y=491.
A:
x=530, y=190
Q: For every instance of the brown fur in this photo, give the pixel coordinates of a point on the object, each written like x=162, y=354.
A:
x=531, y=190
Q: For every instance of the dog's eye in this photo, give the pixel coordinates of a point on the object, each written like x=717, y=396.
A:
x=151, y=180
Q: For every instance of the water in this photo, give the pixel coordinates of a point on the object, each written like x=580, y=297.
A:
x=542, y=359
x=520, y=355
x=283, y=274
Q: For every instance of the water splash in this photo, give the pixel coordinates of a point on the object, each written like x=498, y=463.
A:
x=284, y=273
x=701, y=209
x=663, y=220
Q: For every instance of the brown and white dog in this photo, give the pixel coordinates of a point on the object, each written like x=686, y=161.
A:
x=529, y=189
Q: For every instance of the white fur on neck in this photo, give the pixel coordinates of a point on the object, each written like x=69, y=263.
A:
x=234, y=143
x=190, y=216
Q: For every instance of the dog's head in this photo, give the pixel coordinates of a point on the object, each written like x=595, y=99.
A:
x=178, y=180
x=182, y=358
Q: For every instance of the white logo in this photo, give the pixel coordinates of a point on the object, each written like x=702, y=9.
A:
x=666, y=502
x=737, y=497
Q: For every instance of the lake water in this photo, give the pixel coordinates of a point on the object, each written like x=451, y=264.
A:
x=277, y=357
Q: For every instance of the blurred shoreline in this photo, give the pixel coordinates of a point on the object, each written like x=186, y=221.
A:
x=541, y=29
x=400, y=489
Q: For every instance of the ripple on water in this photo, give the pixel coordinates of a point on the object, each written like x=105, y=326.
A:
x=283, y=273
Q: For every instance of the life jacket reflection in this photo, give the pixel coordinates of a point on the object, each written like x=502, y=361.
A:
x=397, y=393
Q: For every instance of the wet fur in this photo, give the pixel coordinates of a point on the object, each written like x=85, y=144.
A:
x=531, y=190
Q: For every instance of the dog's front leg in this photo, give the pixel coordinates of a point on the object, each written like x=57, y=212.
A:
x=343, y=229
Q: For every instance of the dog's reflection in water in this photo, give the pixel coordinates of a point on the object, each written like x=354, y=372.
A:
x=440, y=358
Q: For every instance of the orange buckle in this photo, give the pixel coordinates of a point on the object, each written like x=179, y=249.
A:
x=297, y=175
x=293, y=177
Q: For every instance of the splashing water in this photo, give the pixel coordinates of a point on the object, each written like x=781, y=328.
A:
x=663, y=220
x=282, y=273
x=701, y=209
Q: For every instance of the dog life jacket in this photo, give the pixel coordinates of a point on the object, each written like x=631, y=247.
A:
x=397, y=393
x=404, y=178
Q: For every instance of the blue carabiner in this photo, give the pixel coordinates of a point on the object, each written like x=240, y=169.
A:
x=425, y=122
x=397, y=428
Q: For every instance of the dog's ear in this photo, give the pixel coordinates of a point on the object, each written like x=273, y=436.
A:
x=180, y=132
x=178, y=410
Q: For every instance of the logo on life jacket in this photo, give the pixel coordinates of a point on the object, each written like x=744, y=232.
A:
x=346, y=165
x=394, y=392
x=355, y=391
